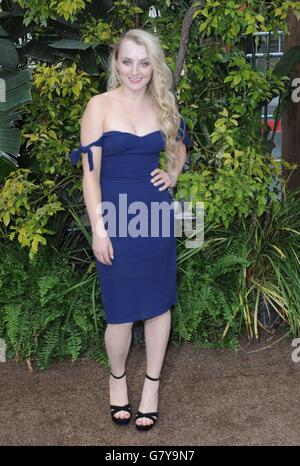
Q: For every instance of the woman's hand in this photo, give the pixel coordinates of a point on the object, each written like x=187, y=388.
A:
x=102, y=248
x=168, y=179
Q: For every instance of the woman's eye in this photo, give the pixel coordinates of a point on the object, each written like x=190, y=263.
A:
x=127, y=62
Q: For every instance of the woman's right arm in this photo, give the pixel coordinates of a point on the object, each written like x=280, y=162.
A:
x=91, y=129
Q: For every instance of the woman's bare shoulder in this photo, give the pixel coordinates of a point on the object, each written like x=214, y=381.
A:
x=96, y=106
x=94, y=115
x=104, y=97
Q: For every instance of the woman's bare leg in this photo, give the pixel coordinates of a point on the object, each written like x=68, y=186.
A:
x=157, y=332
x=117, y=342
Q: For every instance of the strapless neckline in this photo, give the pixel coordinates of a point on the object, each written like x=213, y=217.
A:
x=131, y=134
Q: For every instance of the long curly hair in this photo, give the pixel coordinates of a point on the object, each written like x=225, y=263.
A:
x=159, y=88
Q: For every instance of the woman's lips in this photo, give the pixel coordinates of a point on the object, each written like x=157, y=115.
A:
x=135, y=80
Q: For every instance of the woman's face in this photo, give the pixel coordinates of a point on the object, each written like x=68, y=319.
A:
x=133, y=64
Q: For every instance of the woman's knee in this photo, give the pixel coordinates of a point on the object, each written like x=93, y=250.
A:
x=126, y=326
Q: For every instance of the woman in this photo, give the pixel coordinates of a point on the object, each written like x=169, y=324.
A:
x=123, y=132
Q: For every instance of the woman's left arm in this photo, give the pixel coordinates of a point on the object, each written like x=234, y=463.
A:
x=173, y=173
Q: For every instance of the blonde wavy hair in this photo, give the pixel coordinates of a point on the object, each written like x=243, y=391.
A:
x=159, y=88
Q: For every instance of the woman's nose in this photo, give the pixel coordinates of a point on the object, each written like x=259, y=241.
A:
x=135, y=69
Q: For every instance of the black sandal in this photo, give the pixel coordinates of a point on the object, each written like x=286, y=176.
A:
x=152, y=416
x=115, y=409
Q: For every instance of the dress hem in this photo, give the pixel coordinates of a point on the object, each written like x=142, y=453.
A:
x=142, y=318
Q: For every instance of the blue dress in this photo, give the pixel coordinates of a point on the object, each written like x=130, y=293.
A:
x=141, y=282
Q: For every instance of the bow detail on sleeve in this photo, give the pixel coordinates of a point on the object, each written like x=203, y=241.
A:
x=182, y=134
x=75, y=153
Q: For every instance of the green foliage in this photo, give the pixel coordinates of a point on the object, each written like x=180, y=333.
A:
x=46, y=312
x=51, y=125
x=258, y=87
x=29, y=197
x=124, y=14
x=25, y=208
x=15, y=92
x=121, y=17
x=208, y=311
x=97, y=30
x=273, y=243
x=39, y=11
x=236, y=181
x=229, y=19
x=223, y=283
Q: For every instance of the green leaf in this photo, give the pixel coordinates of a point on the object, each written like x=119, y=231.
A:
x=8, y=54
x=203, y=26
x=70, y=44
x=237, y=79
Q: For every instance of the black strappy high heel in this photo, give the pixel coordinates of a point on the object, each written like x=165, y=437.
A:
x=152, y=416
x=115, y=409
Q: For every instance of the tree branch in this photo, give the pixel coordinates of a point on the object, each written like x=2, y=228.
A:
x=185, y=33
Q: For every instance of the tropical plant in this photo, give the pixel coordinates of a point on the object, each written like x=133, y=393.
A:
x=48, y=309
x=208, y=310
x=224, y=281
x=15, y=86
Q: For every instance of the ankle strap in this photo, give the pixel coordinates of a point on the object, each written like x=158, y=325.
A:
x=152, y=378
x=116, y=376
